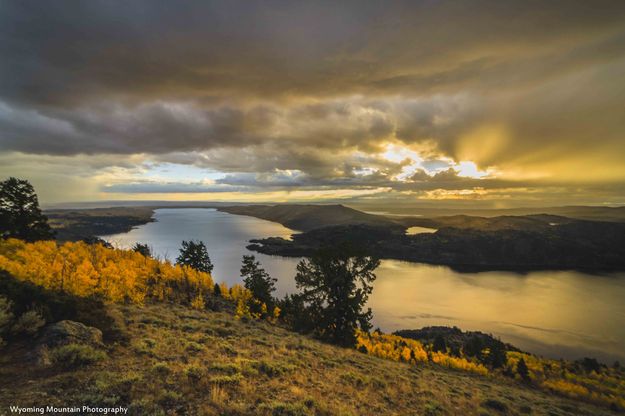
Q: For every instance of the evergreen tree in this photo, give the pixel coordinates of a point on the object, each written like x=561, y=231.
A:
x=217, y=290
x=93, y=240
x=522, y=370
x=335, y=285
x=195, y=255
x=454, y=350
x=439, y=344
x=20, y=215
x=294, y=314
x=473, y=347
x=258, y=281
x=143, y=249
x=497, y=356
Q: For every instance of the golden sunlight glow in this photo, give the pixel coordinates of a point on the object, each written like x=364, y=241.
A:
x=474, y=193
x=483, y=144
x=469, y=169
x=276, y=196
x=398, y=154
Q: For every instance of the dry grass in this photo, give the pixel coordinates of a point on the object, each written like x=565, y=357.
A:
x=183, y=361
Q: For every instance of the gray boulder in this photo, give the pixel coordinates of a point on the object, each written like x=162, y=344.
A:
x=70, y=332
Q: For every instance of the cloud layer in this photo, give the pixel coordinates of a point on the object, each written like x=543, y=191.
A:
x=269, y=96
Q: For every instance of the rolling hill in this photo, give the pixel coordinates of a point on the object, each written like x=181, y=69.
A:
x=309, y=217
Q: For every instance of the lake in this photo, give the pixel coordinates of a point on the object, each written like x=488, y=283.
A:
x=559, y=314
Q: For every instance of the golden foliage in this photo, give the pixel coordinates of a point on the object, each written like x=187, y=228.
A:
x=391, y=347
x=458, y=363
x=397, y=348
x=606, y=387
x=563, y=377
x=243, y=299
x=115, y=275
x=566, y=387
x=198, y=301
x=276, y=312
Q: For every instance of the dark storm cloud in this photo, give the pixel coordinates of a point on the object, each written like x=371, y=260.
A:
x=150, y=128
x=258, y=88
x=63, y=52
x=163, y=127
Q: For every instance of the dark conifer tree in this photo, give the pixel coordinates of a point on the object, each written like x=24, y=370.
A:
x=258, y=281
x=335, y=285
x=194, y=254
x=522, y=370
x=497, y=355
x=143, y=249
x=20, y=215
x=439, y=344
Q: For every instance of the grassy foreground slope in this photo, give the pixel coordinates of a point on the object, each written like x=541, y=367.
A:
x=179, y=360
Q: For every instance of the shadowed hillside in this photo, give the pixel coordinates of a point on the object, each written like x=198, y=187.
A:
x=78, y=224
x=536, y=222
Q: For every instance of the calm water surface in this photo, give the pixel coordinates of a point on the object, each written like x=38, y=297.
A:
x=558, y=314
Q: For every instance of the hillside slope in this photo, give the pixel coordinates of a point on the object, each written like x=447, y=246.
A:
x=593, y=213
x=182, y=361
x=538, y=222
x=309, y=217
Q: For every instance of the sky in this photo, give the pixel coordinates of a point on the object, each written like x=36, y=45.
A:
x=489, y=103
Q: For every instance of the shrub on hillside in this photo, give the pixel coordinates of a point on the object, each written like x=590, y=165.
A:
x=29, y=323
x=74, y=356
x=161, y=368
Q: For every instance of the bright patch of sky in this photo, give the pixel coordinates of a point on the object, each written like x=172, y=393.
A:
x=365, y=171
x=400, y=154
x=173, y=172
x=469, y=169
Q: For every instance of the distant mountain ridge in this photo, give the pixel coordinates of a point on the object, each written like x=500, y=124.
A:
x=581, y=212
x=311, y=217
x=505, y=222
